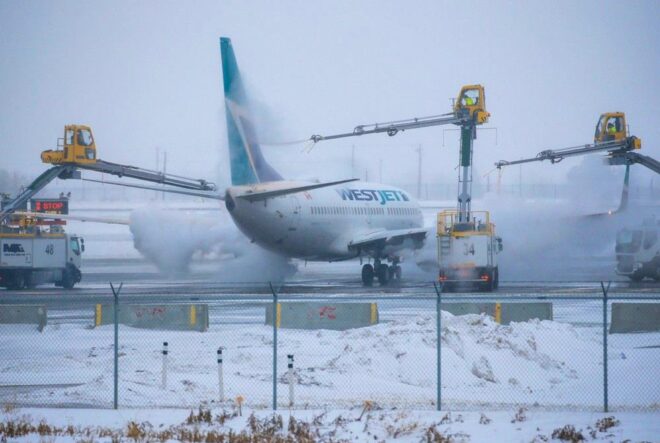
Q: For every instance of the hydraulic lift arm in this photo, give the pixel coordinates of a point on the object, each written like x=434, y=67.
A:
x=613, y=148
x=79, y=152
x=611, y=137
x=37, y=185
x=469, y=108
x=393, y=127
x=630, y=158
x=148, y=175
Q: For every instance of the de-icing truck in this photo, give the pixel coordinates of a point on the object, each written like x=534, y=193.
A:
x=30, y=256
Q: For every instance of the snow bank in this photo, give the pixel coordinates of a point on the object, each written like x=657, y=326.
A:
x=536, y=364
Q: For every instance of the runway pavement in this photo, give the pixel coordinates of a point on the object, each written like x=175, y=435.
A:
x=322, y=281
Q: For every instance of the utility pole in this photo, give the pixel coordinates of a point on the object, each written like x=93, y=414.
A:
x=419, y=172
x=352, y=160
x=157, y=167
x=164, y=168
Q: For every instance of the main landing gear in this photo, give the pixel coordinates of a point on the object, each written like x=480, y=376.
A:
x=381, y=271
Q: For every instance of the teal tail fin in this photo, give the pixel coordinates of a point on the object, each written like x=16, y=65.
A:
x=248, y=165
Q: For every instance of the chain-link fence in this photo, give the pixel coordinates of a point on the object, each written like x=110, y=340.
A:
x=496, y=351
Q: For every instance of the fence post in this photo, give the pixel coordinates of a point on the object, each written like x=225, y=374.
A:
x=115, y=375
x=221, y=384
x=164, y=373
x=290, y=376
x=605, y=374
x=438, y=327
x=275, y=325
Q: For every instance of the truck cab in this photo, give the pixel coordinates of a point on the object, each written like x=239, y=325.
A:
x=638, y=251
x=30, y=256
x=467, y=251
x=77, y=147
x=471, y=101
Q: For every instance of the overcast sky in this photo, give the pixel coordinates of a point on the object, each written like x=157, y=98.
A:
x=146, y=75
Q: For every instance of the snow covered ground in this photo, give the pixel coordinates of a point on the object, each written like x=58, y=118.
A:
x=539, y=365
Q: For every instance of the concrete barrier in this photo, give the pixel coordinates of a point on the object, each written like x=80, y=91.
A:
x=503, y=313
x=311, y=315
x=635, y=317
x=194, y=317
x=24, y=314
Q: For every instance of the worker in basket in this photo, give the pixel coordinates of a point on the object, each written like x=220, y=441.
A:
x=611, y=129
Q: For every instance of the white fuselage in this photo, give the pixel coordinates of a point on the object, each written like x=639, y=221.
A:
x=320, y=224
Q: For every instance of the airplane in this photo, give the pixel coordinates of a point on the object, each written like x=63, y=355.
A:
x=331, y=221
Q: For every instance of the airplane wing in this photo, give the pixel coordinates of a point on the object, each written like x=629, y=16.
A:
x=389, y=241
x=112, y=221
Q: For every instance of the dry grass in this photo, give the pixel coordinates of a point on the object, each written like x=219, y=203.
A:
x=199, y=427
x=568, y=433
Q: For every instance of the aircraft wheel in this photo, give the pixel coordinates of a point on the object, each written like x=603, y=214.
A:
x=383, y=274
x=367, y=275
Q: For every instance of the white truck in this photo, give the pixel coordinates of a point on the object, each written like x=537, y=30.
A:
x=467, y=251
x=638, y=251
x=31, y=258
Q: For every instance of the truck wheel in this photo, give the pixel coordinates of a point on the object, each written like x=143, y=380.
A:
x=68, y=278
